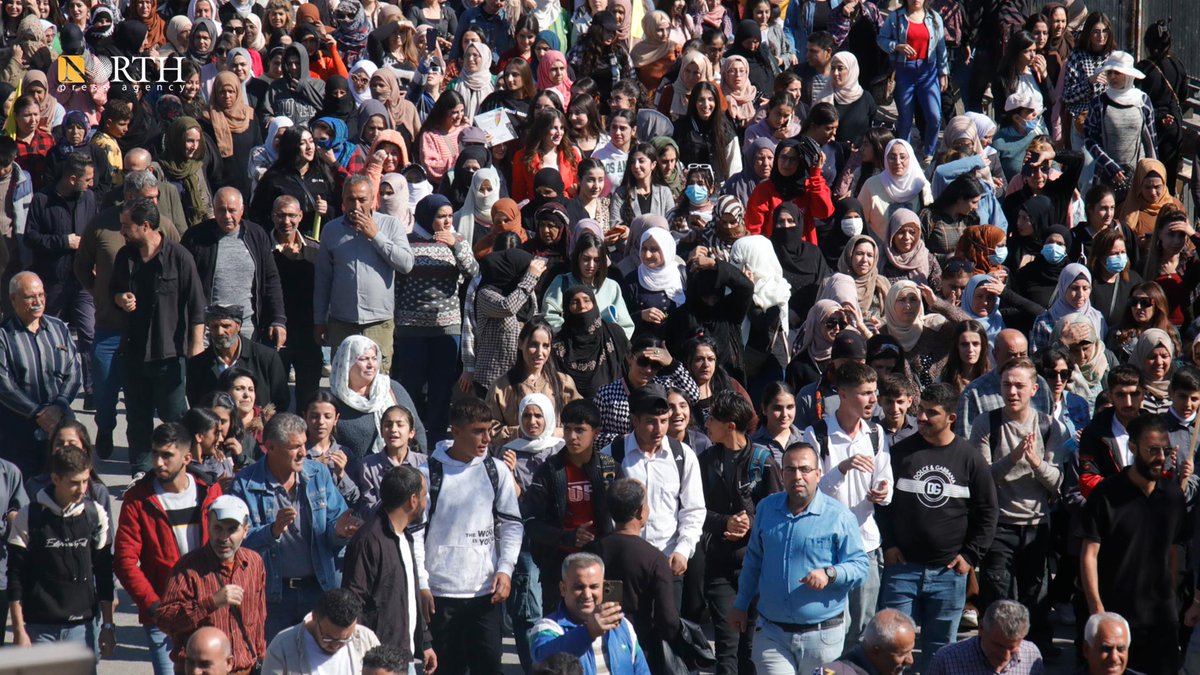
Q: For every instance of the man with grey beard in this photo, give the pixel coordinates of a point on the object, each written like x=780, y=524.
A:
x=226, y=349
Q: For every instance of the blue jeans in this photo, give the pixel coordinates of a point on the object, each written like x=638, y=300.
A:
x=422, y=371
x=919, y=80
x=44, y=633
x=290, y=609
x=106, y=377
x=777, y=652
x=932, y=596
x=524, y=604
x=160, y=651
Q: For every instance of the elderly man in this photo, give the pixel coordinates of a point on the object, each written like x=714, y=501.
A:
x=94, y=269
x=1000, y=646
x=361, y=252
x=299, y=522
x=1106, y=639
x=170, y=206
x=209, y=652
x=155, y=283
x=39, y=374
x=296, y=258
x=236, y=267
x=585, y=625
x=221, y=585
x=886, y=648
x=227, y=349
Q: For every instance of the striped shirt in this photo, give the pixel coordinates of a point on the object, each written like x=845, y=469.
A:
x=37, y=369
x=613, y=400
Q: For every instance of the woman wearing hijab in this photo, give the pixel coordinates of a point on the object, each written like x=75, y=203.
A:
x=503, y=303
x=100, y=28
x=201, y=41
x=694, y=68
x=900, y=184
x=740, y=93
x=758, y=157
x=403, y=114
x=231, y=124
x=796, y=177
x=50, y=112
x=905, y=254
x=506, y=217
x=845, y=223
x=335, y=140
x=590, y=350
x=668, y=171
x=1154, y=356
x=860, y=260
x=553, y=74
x=1072, y=296
x=1149, y=194
x=456, y=185
x=360, y=80
x=767, y=352
x=531, y=451
x=814, y=343
x=476, y=82
x=146, y=11
x=655, y=54
x=981, y=302
x=185, y=168
x=657, y=287
x=1037, y=281
x=803, y=265
x=747, y=43
x=855, y=107
x=350, y=30
x=373, y=117
x=927, y=337
x=474, y=219
x=263, y=156
x=531, y=373
x=362, y=395
x=428, y=310
x=339, y=103
x=984, y=246
x=73, y=136
x=1087, y=357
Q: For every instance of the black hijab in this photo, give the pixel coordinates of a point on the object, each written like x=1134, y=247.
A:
x=788, y=187
x=1040, y=210
x=588, y=348
x=461, y=185
x=803, y=264
x=830, y=237
x=503, y=270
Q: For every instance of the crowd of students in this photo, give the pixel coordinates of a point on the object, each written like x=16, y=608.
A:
x=779, y=313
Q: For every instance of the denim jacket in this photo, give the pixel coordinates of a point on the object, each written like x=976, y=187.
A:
x=326, y=506
x=895, y=32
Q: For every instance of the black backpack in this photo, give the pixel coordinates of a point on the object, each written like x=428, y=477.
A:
x=821, y=431
x=437, y=474
x=618, y=454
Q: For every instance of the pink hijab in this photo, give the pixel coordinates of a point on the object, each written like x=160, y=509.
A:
x=549, y=59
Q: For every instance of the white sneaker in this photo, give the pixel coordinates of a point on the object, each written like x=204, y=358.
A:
x=970, y=618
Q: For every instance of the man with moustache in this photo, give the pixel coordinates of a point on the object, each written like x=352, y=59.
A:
x=226, y=349
x=1133, y=525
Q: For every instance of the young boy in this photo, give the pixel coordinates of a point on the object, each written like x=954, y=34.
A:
x=895, y=400
x=856, y=470
x=114, y=123
x=1184, y=392
x=52, y=589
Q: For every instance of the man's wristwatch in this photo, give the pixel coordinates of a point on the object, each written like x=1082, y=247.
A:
x=831, y=572
x=108, y=626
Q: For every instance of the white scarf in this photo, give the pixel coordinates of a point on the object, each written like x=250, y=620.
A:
x=547, y=440
x=902, y=189
x=666, y=278
x=368, y=67
x=379, y=395
x=757, y=254
x=1128, y=95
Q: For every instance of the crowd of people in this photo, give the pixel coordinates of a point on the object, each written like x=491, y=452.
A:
x=829, y=328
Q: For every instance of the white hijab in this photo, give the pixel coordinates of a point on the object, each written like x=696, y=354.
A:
x=278, y=125
x=379, y=396
x=666, y=278
x=757, y=254
x=477, y=212
x=368, y=67
x=547, y=440
x=902, y=189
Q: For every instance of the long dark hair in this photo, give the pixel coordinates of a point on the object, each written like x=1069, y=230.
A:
x=720, y=380
x=629, y=183
x=85, y=439
x=520, y=65
x=221, y=399
x=966, y=186
x=588, y=241
x=877, y=138
x=518, y=372
x=956, y=371
x=1008, y=70
x=288, y=161
x=715, y=127
x=1084, y=42
x=535, y=136
x=440, y=112
x=594, y=51
x=586, y=104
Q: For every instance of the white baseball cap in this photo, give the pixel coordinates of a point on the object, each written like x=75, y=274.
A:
x=228, y=507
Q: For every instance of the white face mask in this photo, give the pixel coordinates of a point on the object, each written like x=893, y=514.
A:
x=852, y=227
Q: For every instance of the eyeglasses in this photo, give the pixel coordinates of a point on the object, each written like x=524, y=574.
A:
x=835, y=323
x=1163, y=450
x=1061, y=375
x=1142, y=303
x=1043, y=168
x=341, y=642
x=647, y=362
x=802, y=470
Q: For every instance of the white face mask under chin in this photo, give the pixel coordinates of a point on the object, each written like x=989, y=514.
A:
x=852, y=227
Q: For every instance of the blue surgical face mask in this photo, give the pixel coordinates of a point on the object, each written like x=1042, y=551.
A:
x=1115, y=264
x=1030, y=126
x=1054, y=253
x=999, y=256
x=696, y=194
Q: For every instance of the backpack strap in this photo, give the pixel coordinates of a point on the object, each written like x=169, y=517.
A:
x=618, y=450
x=995, y=421
x=609, y=469
x=874, y=431
x=680, y=458
x=436, y=475
x=821, y=432
x=760, y=457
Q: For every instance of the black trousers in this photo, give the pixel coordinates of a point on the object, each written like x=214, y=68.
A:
x=304, y=355
x=466, y=635
x=734, y=649
x=1154, y=648
x=1017, y=568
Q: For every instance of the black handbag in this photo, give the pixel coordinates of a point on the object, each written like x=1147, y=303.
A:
x=689, y=651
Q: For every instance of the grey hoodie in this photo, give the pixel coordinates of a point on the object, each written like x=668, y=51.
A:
x=300, y=99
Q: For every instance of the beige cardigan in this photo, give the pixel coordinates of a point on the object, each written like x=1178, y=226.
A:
x=505, y=400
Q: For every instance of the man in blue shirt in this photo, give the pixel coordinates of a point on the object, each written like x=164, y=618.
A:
x=489, y=20
x=804, y=557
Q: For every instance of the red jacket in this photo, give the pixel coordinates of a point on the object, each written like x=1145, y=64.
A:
x=815, y=203
x=522, y=178
x=145, y=551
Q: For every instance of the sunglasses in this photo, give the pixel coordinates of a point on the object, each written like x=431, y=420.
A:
x=835, y=323
x=1142, y=303
x=647, y=362
x=236, y=30
x=1061, y=375
x=221, y=52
